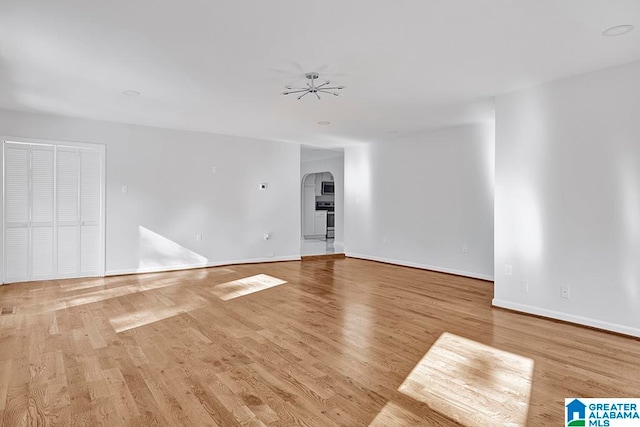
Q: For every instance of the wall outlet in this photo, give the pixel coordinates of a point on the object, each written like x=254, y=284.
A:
x=565, y=292
x=524, y=287
x=465, y=249
x=214, y=169
x=269, y=254
x=508, y=269
x=199, y=237
x=125, y=189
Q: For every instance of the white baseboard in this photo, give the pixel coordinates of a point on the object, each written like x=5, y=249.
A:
x=162, y=269
x=586, y=321
x=422, y=266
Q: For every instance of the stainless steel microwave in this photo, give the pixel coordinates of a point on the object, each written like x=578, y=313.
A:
x=328, y=187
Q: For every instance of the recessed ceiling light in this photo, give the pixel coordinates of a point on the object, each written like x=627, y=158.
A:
x=131, y=93
x=618, y=30
x=324, y=123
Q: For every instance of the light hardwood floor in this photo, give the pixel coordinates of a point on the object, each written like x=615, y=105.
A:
x=318, y=343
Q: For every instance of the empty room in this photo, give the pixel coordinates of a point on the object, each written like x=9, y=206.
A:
x=360, y=213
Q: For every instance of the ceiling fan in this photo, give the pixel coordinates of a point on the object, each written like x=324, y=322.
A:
x=313, y=88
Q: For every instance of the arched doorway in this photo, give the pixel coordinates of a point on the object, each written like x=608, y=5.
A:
x=318, y=213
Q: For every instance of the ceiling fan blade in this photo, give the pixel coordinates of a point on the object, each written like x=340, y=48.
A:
x=295, y=91
x=277, y=73
x=298, y=67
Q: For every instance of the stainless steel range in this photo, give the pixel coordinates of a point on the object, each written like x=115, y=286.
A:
x=331, y=217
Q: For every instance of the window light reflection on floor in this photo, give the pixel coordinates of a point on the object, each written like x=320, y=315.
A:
x=472, y=383
x=393, y=414
x=94, y=296
x=246, y=286
x=140, y=318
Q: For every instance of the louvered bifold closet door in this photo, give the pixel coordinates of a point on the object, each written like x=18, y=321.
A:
x=16, y=203
x=54, y=204
x=42, y=211
x=90, y=212
x=68, y=211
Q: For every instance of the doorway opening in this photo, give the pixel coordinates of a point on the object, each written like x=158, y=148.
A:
x=318, y=213
x=321, y=210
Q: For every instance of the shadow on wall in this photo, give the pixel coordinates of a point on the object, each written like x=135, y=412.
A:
x=157, y=252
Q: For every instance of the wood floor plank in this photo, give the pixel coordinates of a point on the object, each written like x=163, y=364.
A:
x=5, y=375
x=16, y=410
x=335, y=342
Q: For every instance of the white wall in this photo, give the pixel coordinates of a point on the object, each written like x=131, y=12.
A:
x=173, y=194
x=418, y=200
x=567, y=210
x=335, y=165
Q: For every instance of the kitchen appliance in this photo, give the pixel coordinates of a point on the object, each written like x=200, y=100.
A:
x=328, y=188
x=331, y=217
x=331, y=225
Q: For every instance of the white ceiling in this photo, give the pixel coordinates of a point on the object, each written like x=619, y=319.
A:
x=220, y=66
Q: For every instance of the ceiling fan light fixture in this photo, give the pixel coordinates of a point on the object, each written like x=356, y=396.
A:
x=313, y=87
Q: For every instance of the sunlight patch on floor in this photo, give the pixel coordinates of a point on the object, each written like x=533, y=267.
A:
x=85, y=284
x=394, y=415
x=95, y=296
x=145, y=317
x=246, y=286
x=472, y=383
